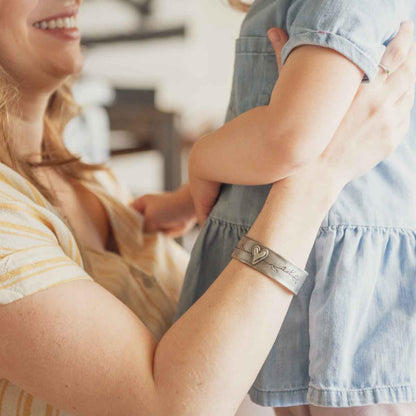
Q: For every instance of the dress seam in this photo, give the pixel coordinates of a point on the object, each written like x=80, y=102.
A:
x=324, y=228
x=399, y=386
x=335, y=390
x=370, y=227
x=225, y=222
x=280, y=390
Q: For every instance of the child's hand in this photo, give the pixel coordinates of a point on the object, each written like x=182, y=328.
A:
x=172, y=213
x=205, y=195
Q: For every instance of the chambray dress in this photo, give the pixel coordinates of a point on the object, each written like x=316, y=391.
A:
x=349, y=338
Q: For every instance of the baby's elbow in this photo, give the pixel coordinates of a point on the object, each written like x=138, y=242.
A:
x=300, y=156
x=292, y=150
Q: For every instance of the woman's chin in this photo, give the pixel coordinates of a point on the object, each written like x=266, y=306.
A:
x=65, y=68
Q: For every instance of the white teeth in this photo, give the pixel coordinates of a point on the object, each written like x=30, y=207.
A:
x=60, y=23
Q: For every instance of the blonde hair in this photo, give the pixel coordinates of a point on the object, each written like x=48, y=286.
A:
x=240, y=5
x=60, y=110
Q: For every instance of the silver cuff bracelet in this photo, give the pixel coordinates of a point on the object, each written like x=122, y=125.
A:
x=254, y=254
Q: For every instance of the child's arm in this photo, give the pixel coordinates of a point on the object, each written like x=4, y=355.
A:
x=332, y=43
x=172, y=213
x=315, y=88
x=266, y=143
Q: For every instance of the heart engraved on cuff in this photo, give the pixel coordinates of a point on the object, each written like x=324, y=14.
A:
x=259, y=254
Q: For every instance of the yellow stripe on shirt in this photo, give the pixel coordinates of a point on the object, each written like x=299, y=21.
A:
x=19, y=402
x=25, y=228
x=28, y=405
x=23, y=269
x=2, y=392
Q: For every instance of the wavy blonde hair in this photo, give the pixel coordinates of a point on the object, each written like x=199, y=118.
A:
x=240, y=5
x=60, y=110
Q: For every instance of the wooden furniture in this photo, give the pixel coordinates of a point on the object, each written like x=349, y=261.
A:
x=134, y=112
x=146, y=32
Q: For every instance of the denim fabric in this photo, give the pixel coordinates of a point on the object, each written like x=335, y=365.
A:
x=349, y=338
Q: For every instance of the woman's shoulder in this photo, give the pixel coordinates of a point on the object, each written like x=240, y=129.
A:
x=13, y=186
x=34, y=241
x=28, y=219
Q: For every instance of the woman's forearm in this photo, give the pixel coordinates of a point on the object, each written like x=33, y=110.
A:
x=217, y=348
x=103, y=360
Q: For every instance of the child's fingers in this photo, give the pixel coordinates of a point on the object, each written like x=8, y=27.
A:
x=139, y=204
x=278, y=38
x=201, y=218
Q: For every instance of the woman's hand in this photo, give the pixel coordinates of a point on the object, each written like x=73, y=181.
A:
x=378, y=120
x=373, y=127
x=172, y=213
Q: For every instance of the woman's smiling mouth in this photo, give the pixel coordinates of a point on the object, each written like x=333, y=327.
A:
x=63, y=26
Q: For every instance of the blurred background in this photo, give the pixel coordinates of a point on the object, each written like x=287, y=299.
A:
x=157, y=76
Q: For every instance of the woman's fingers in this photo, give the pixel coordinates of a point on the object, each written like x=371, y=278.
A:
x=406, y=73
x=278, y=38
x=398, y=49
x=404, y=105
x=402, y=80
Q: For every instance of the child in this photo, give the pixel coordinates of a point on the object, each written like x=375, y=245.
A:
x=334, y=350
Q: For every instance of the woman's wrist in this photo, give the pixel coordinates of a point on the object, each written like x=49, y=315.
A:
x=318, y=185
x=294, y=211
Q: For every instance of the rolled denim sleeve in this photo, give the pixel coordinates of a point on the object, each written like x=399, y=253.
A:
x=358, y=29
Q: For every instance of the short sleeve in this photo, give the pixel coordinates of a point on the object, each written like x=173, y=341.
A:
x=31, y=258
x=358, y=29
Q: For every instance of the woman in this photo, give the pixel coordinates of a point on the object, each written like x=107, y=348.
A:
x=75, y=345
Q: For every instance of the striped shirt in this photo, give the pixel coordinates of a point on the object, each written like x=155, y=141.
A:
x=38, y=251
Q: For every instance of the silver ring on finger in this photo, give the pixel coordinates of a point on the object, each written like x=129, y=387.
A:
x=386, y=69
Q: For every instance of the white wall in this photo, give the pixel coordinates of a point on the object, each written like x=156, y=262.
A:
x=192, y=75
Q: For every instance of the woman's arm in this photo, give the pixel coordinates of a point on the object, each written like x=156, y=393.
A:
x=80, y=349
